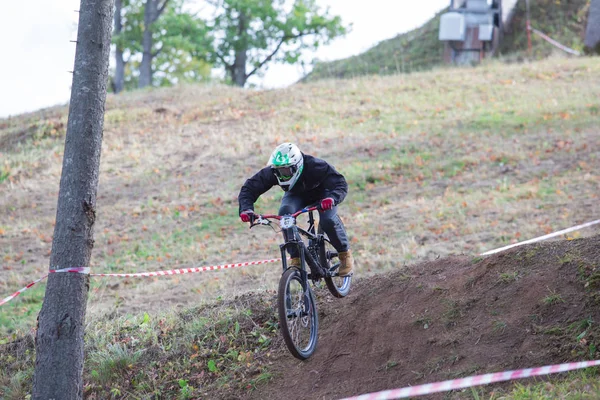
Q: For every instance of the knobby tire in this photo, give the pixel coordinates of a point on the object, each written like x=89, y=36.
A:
x=289, y=321
x=338, y=286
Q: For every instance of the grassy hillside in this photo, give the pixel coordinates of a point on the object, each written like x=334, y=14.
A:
x=420, y=49
x=436, y=166
x=413, y=51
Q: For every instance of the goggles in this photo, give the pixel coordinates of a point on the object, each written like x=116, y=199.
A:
x=284, y=173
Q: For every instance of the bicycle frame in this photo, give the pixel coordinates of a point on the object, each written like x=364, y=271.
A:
x=292, y=236
x=299, y=313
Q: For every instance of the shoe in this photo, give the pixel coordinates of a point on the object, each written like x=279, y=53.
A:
x=294, y=262
x=346, y=263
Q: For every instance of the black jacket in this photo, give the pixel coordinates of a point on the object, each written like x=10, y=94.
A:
x=318, y=180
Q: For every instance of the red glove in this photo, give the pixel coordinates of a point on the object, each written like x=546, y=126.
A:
x=327, y=204
x=247, y=216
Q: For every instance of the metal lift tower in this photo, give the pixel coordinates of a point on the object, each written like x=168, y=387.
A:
x=471, y=30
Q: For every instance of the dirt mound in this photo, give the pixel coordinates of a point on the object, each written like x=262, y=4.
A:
x=450, y=318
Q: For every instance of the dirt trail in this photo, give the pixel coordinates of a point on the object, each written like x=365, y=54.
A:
x=450, y=318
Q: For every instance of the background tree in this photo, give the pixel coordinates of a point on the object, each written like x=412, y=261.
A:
x=152, y=10
x=59, y=337
x=592, y=33
x=251, y=33
x=185, y=44
x=127, y=39
x=179, y=44
x=118, y=82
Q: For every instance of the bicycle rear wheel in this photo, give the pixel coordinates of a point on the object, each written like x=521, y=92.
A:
x=329, y=258
x=298, y=316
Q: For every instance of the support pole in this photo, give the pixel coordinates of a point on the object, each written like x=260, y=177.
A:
x=529, y=50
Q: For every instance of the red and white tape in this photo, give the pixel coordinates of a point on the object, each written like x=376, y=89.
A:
x=540, y=238
x=229, y=266
x=555, y=43
x=140, y=274
x=190, y=270
x=52, y=271
x=471, y=381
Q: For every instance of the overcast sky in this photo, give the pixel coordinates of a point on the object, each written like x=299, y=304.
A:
x=37, y=53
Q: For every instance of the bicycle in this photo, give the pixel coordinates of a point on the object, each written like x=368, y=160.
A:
x=296, y=304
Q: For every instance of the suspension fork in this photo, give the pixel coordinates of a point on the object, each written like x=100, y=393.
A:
x=291, y=237
x=303, y=259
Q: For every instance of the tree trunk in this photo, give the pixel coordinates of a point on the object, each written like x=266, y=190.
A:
x=59, y=338
x=592, y=33
x=238, y=70
x=119, y=80
x=150, y=10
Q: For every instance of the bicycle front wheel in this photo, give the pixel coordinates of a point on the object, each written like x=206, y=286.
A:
x=298, y=317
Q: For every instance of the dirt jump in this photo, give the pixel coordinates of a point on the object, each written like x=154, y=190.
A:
x=529, y=306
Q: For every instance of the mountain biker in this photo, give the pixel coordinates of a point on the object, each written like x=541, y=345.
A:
x=305, y=180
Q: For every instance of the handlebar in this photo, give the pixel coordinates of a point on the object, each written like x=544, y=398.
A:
x=259, y=218
x=294, y=215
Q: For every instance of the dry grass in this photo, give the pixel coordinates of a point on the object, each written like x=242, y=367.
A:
x=447, y=161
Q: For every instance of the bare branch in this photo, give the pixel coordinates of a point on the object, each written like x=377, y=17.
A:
x=270, y=56
x=161, y=8
x=157, y=52
x=225, y=63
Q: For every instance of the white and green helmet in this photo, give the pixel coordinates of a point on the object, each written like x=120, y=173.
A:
x=287, y=163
